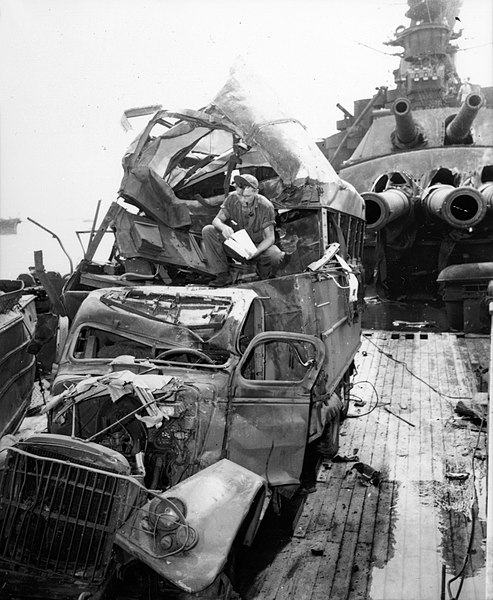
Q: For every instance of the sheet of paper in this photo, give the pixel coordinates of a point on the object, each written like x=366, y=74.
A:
x=241, y=243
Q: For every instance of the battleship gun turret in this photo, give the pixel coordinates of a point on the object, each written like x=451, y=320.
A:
x=460, y=207
x=422, y=161
x=407, y=133
x=458, y=130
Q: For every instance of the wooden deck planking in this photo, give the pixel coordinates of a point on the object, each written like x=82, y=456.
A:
x=431, y=425
x=438, y=418
x=349, y=534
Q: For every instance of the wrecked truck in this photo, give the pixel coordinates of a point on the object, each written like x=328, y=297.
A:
x=203, y=411
x=180, y=411
x=240, y=385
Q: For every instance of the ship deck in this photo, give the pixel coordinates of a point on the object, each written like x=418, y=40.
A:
x=409, y=537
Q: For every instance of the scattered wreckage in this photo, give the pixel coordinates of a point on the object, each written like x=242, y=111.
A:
x=179, y=411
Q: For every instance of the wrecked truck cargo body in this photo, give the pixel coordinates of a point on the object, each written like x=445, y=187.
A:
x=178, y=171
x=216, y=399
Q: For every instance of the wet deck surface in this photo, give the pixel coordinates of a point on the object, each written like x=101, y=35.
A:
x=409, y=537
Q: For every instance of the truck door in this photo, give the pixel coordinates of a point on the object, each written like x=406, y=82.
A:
x=270, y=407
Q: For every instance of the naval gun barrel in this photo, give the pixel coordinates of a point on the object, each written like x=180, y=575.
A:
x=407, y=133
x=460, y=207
x=459, y=128
x=384, y=207
x=486, y=191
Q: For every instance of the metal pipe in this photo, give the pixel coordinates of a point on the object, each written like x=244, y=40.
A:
x=331, y=330
x=57, y=239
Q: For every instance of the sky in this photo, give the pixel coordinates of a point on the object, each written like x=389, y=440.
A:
x=69, y=69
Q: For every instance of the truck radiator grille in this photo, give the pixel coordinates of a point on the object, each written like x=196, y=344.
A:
x=57, y=517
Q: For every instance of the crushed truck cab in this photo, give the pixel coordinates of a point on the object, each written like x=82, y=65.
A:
x=230, y=380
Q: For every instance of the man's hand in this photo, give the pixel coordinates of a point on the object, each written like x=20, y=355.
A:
x=253, y=255
x=227, y=232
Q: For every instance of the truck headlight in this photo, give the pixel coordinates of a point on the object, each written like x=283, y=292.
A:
x=165, y=521
x=165, y=514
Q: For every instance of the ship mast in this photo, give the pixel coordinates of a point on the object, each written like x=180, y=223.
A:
x=427, y=75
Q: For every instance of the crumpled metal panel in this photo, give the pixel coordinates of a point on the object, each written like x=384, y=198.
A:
x=159, y=243
x=268, y=438
x=271, y=406
x=249, y=103
x=156, y=331
x=217, y=500
x=148, y=330
x=145, y=189
x=117, y=385
x=290, y=307
x=315, y=305
x=294, y=155
x=17, y=365
x=246, y=109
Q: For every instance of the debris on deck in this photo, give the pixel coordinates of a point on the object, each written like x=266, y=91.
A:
x=419, y=534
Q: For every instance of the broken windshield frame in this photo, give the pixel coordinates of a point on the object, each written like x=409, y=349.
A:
x=141, y=313
x=186, y=313
x=97, y=343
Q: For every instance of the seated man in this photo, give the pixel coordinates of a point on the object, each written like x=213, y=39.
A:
x=245, y=209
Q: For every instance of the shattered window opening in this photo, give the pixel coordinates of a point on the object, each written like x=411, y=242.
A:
x=279, y=361
x=95, y=343
x=98, y=344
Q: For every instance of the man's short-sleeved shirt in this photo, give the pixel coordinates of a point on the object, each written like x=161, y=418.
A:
x=253, y=220
x=464, y=91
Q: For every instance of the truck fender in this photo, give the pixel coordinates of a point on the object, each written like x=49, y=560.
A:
x=218, y=501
